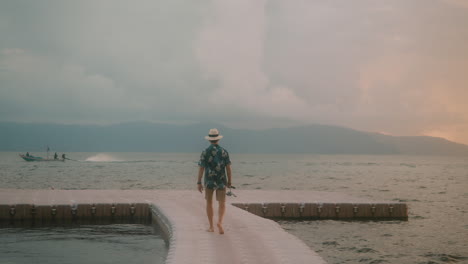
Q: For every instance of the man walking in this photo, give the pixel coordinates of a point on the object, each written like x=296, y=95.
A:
x=214, y=164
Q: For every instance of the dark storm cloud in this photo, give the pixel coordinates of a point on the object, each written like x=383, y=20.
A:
x=398, y=67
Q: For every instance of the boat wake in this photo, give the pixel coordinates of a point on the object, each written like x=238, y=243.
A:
x=103, y=158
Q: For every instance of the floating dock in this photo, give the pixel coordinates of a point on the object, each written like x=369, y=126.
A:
x=182, y=217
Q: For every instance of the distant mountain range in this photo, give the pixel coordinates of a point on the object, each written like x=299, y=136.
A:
x=150, y=137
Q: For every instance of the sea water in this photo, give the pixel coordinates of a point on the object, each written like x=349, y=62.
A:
x=83, y=244
x=435, y=188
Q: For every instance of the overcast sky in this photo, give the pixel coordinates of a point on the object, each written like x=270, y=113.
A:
x=398, y=67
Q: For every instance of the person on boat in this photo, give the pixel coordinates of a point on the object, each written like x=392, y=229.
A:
x=63, y=156
x=214, y=165
x=55, y=156
x=27, y=154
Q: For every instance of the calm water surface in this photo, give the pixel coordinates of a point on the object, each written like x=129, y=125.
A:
x=436, y=189
x=85, y=244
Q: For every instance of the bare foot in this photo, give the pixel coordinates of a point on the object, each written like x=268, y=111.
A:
x=211, y=229
x=220, y=227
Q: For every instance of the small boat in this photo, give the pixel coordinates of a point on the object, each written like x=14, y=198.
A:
x=34, y=158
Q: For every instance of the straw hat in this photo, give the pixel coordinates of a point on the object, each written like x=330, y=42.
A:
x=213, y=135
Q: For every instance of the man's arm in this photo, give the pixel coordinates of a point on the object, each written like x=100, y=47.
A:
x=228, y=170
x=200, y=174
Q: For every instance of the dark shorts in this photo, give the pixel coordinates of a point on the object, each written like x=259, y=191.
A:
x=220, y=194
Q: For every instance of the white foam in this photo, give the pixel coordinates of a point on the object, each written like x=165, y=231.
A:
x=101, y=157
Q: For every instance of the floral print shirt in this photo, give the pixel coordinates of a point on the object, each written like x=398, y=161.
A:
x=214, y=159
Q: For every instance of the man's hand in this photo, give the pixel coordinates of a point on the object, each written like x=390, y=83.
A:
x=200, y=175
x=229, y=173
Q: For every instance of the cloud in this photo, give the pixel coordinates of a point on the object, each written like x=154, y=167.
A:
x=12, y=51
x=231, y=51
x=416, y=82
x=42, y=87
x=395, y=67
x=457, y=3
x=106, y=61
x=398, y=66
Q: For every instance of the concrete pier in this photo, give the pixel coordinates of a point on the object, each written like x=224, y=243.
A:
x=181, y=215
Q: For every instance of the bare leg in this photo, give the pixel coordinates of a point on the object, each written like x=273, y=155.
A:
x=221, y=211
x=209, y=212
